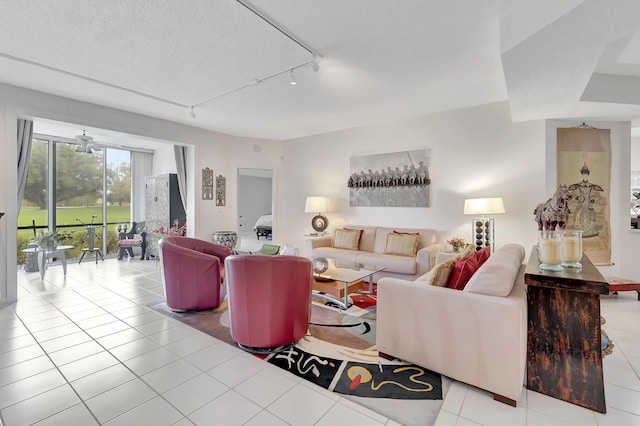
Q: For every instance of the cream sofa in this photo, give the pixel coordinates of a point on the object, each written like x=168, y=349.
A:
x=371, y=249
x=477, y=335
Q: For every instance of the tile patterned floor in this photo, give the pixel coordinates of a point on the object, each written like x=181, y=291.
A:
x=83, y=349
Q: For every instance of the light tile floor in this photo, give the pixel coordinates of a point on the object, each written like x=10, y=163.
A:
x=83, y=349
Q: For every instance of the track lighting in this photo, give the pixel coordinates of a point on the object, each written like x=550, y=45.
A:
x=192, y=112
x=314, y=66
x=292, y=78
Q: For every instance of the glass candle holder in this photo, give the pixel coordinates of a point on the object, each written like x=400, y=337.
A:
x=550, y=250
x=572, y=248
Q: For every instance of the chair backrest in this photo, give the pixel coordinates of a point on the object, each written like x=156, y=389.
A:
x=269, y=299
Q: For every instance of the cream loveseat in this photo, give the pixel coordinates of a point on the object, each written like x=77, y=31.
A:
x=371, y=251
x=477, y=335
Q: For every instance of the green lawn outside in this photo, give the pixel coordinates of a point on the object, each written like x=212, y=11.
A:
x=76, y=234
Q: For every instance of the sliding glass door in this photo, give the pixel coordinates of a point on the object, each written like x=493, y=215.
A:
x=69, y=190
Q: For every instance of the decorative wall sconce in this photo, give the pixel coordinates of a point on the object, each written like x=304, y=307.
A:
x=207, y=184
x=221, y=191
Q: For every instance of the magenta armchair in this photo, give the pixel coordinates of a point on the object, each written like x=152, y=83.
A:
x=269, y=299
x=192, y=273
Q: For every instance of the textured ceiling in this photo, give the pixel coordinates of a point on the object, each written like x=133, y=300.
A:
x=379, y=60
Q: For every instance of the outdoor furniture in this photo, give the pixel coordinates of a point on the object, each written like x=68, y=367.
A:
x=44, y=254
x=192, y=273
x=136, y=237
x=269, y=299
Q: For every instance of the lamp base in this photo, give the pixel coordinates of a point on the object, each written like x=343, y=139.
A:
x=482, y=231
x=319, y=223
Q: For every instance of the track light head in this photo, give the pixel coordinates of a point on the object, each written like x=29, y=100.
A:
x=292, y=79
x=192, y=113
x=314, y=66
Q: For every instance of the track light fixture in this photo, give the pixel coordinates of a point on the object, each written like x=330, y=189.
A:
x=192, y=112
x=292, y=78
x=314, y=66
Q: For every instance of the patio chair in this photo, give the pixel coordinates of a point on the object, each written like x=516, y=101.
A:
x=136, y=237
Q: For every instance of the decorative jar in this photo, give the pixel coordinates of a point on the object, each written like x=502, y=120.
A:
x=225, y=238
x=550, y=250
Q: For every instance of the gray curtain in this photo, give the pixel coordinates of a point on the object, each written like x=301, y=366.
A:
x=25, y=134
x=181, y=166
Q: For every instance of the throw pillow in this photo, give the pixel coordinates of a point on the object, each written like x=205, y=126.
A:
x=466, y=267
x=498, y=274
x=355, y=229
x=345, y=239
x=401, y=244
x=439, y=274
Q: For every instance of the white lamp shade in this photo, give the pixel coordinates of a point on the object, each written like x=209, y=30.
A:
x=315, y=205
x=483, y=206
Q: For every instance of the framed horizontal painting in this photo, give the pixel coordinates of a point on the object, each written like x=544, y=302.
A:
x=394, y=179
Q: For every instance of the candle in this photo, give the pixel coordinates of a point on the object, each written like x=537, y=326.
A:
x=549, y=251
x=571, y=249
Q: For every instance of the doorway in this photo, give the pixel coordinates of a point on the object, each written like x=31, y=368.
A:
x=255, y=207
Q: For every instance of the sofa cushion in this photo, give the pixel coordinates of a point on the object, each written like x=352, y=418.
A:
x=347, y=239
x=342, y=255
x=401, y=244
x=394, y=264
x=440, y=274
x=466, y=267
x=367, y=236
x=497, y=275
x=426, y=238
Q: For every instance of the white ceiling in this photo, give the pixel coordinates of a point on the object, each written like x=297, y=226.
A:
x=379, y=60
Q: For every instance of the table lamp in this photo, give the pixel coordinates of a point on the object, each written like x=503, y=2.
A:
x=483, y=228
x=317, y=205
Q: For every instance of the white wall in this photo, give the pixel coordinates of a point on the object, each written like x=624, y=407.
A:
x=475, y=152
x=222, y=153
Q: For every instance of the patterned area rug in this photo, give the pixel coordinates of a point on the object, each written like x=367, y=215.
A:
x=339, y=354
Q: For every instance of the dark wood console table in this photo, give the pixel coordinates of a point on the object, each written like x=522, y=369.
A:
x=564, y=342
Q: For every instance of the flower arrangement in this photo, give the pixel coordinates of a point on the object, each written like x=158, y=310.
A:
x=457, y=243
x=174, y=231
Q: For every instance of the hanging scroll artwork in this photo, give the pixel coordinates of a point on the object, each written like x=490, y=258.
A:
x=584, y=165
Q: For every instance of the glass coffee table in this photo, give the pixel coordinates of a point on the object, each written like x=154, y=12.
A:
x=334, y=280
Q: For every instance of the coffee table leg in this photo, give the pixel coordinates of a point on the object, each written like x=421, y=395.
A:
x=370, y=291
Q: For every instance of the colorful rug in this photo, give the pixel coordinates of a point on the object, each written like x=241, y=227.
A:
x=339, y=354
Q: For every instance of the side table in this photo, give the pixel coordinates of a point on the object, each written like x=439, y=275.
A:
x=44, y=254
x=441, y=256
x=564, y=338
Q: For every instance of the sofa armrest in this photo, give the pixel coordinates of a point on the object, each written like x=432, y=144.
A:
x=315, y=242
x=426, y=258
x=477, y=339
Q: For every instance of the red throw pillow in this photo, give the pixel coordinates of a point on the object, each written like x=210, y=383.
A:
x=466, y=267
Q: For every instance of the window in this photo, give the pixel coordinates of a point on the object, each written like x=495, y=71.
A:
x=67, y=190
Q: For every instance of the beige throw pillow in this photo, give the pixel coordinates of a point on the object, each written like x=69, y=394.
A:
x=439, y=275
x=346, y=239
x=401, y=244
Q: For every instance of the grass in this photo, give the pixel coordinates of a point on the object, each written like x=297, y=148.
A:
x=76, y=234
x=68, y=215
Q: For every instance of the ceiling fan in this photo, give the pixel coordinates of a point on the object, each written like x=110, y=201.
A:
x=86, y=144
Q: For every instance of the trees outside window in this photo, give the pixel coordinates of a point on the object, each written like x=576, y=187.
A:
x=80, y=182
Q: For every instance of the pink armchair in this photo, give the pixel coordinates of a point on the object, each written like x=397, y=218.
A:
x=269, y=299
x=192, y=273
